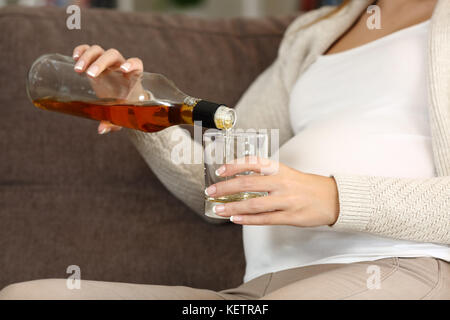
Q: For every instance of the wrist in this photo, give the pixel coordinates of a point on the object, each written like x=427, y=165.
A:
x=333, y=201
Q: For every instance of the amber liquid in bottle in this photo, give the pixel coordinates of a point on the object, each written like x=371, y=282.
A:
x=144, y=117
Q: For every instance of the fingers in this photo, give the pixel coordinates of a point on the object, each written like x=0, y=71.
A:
x=109, y=58
x=95, y=60
x=262, y=219
x=253, y=183
x=79, y=50
x=88, y=56
x=132, y=64
x=251, y=206
x=252, y=163
x=106, y=126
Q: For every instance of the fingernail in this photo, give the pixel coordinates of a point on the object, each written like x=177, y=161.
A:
x=104, y=130
x=79, y=65
x=126, y=66
x=75, y=55
x=235, y=219
x=219, y=208
x=210, y=190
x=220, y=171
x=92, y=71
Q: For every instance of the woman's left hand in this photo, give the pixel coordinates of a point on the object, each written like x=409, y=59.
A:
x=294, y=198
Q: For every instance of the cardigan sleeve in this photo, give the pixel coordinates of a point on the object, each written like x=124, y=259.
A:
x=407, y=209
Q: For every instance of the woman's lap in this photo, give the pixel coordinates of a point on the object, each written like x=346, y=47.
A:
x=395, y=278
x=95, y=290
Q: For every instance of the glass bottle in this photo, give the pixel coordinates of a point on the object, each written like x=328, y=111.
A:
x=139, y=100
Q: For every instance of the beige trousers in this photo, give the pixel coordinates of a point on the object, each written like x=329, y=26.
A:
x=393, y=278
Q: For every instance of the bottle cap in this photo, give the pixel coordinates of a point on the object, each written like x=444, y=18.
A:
x=225, y=118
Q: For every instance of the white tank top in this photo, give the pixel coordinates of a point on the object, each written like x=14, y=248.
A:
x=363, y=112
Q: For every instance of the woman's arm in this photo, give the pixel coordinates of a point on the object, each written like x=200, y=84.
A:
x=408, y=209
x=185, y=181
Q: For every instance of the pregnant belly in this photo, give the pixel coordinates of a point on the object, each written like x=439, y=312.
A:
x=345, y=148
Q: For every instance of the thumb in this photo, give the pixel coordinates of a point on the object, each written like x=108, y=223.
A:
x=106, y=126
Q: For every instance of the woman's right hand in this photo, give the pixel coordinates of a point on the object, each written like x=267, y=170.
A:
x=94, y=60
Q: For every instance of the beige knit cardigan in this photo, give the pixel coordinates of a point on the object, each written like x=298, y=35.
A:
x=408, y=209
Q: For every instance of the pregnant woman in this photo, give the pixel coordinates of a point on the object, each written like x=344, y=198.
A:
x=360, y=205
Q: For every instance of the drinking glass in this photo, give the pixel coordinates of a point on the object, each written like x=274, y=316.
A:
x=220, y=147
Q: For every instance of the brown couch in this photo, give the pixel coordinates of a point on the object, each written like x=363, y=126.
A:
x=71, y=197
